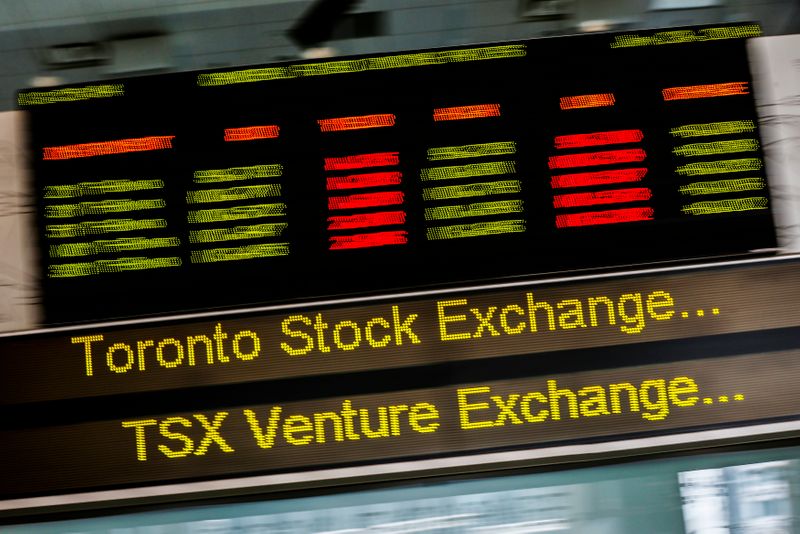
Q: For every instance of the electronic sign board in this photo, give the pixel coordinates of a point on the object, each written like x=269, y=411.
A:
x=454, y=372
x=534, y=321
x=372, y=173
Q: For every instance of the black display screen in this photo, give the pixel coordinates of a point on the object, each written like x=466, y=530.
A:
x=365, y=174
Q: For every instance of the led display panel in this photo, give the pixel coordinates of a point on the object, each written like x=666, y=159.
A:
x=534, y=321
x=364, y=174
x=460, y=372
x=224, y=439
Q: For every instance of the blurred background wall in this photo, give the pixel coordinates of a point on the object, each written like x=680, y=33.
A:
x=47, y=42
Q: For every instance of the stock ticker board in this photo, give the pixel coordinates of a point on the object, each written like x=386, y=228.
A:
x=542, y=365
x=372, y=173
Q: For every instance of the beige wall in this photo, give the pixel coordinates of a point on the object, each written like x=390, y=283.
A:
x=18, y=286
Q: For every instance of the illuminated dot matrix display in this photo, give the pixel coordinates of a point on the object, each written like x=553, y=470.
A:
x=394, y=171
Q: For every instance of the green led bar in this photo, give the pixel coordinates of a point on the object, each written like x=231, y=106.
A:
x=102, y=227
x=118, y=265
x=70, y=94
x=247, y=252
x=713, y=128
x=470, y=170
x=237, y=213
x=718, y=167
x=245, y=192
x=479, y=189
x=459, y=231
x=238, y=173
x=499, y=148
x=478, y=209
x=723, y=186
x=716, y=147
x=686, y=36
x=85, y=189
x=101, y=207
x=349, y=66
x=255, y=231
x=104, y=246
x=710, y=207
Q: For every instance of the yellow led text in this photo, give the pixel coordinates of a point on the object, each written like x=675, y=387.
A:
x=174, y=429
x=309, y=333
x=458, y=320
x=179, y=437
x=478, y=408
x=347, y=424
x=169, y=352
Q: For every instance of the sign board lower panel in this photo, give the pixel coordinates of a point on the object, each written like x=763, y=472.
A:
x=516, y=413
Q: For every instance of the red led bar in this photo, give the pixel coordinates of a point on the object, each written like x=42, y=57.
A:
x=365, y=220
x=251, y=133
x=372, y=179
x=587, y=159
x=104, y=148
x=592, y=218
x=378, y=239
x=466, y=112
x=705, y=91
x=614, y=137
x=615, y=196
x=365, y=200
x=583, y=179
x=587, y=101
x=356, y=123
x=378, y=159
